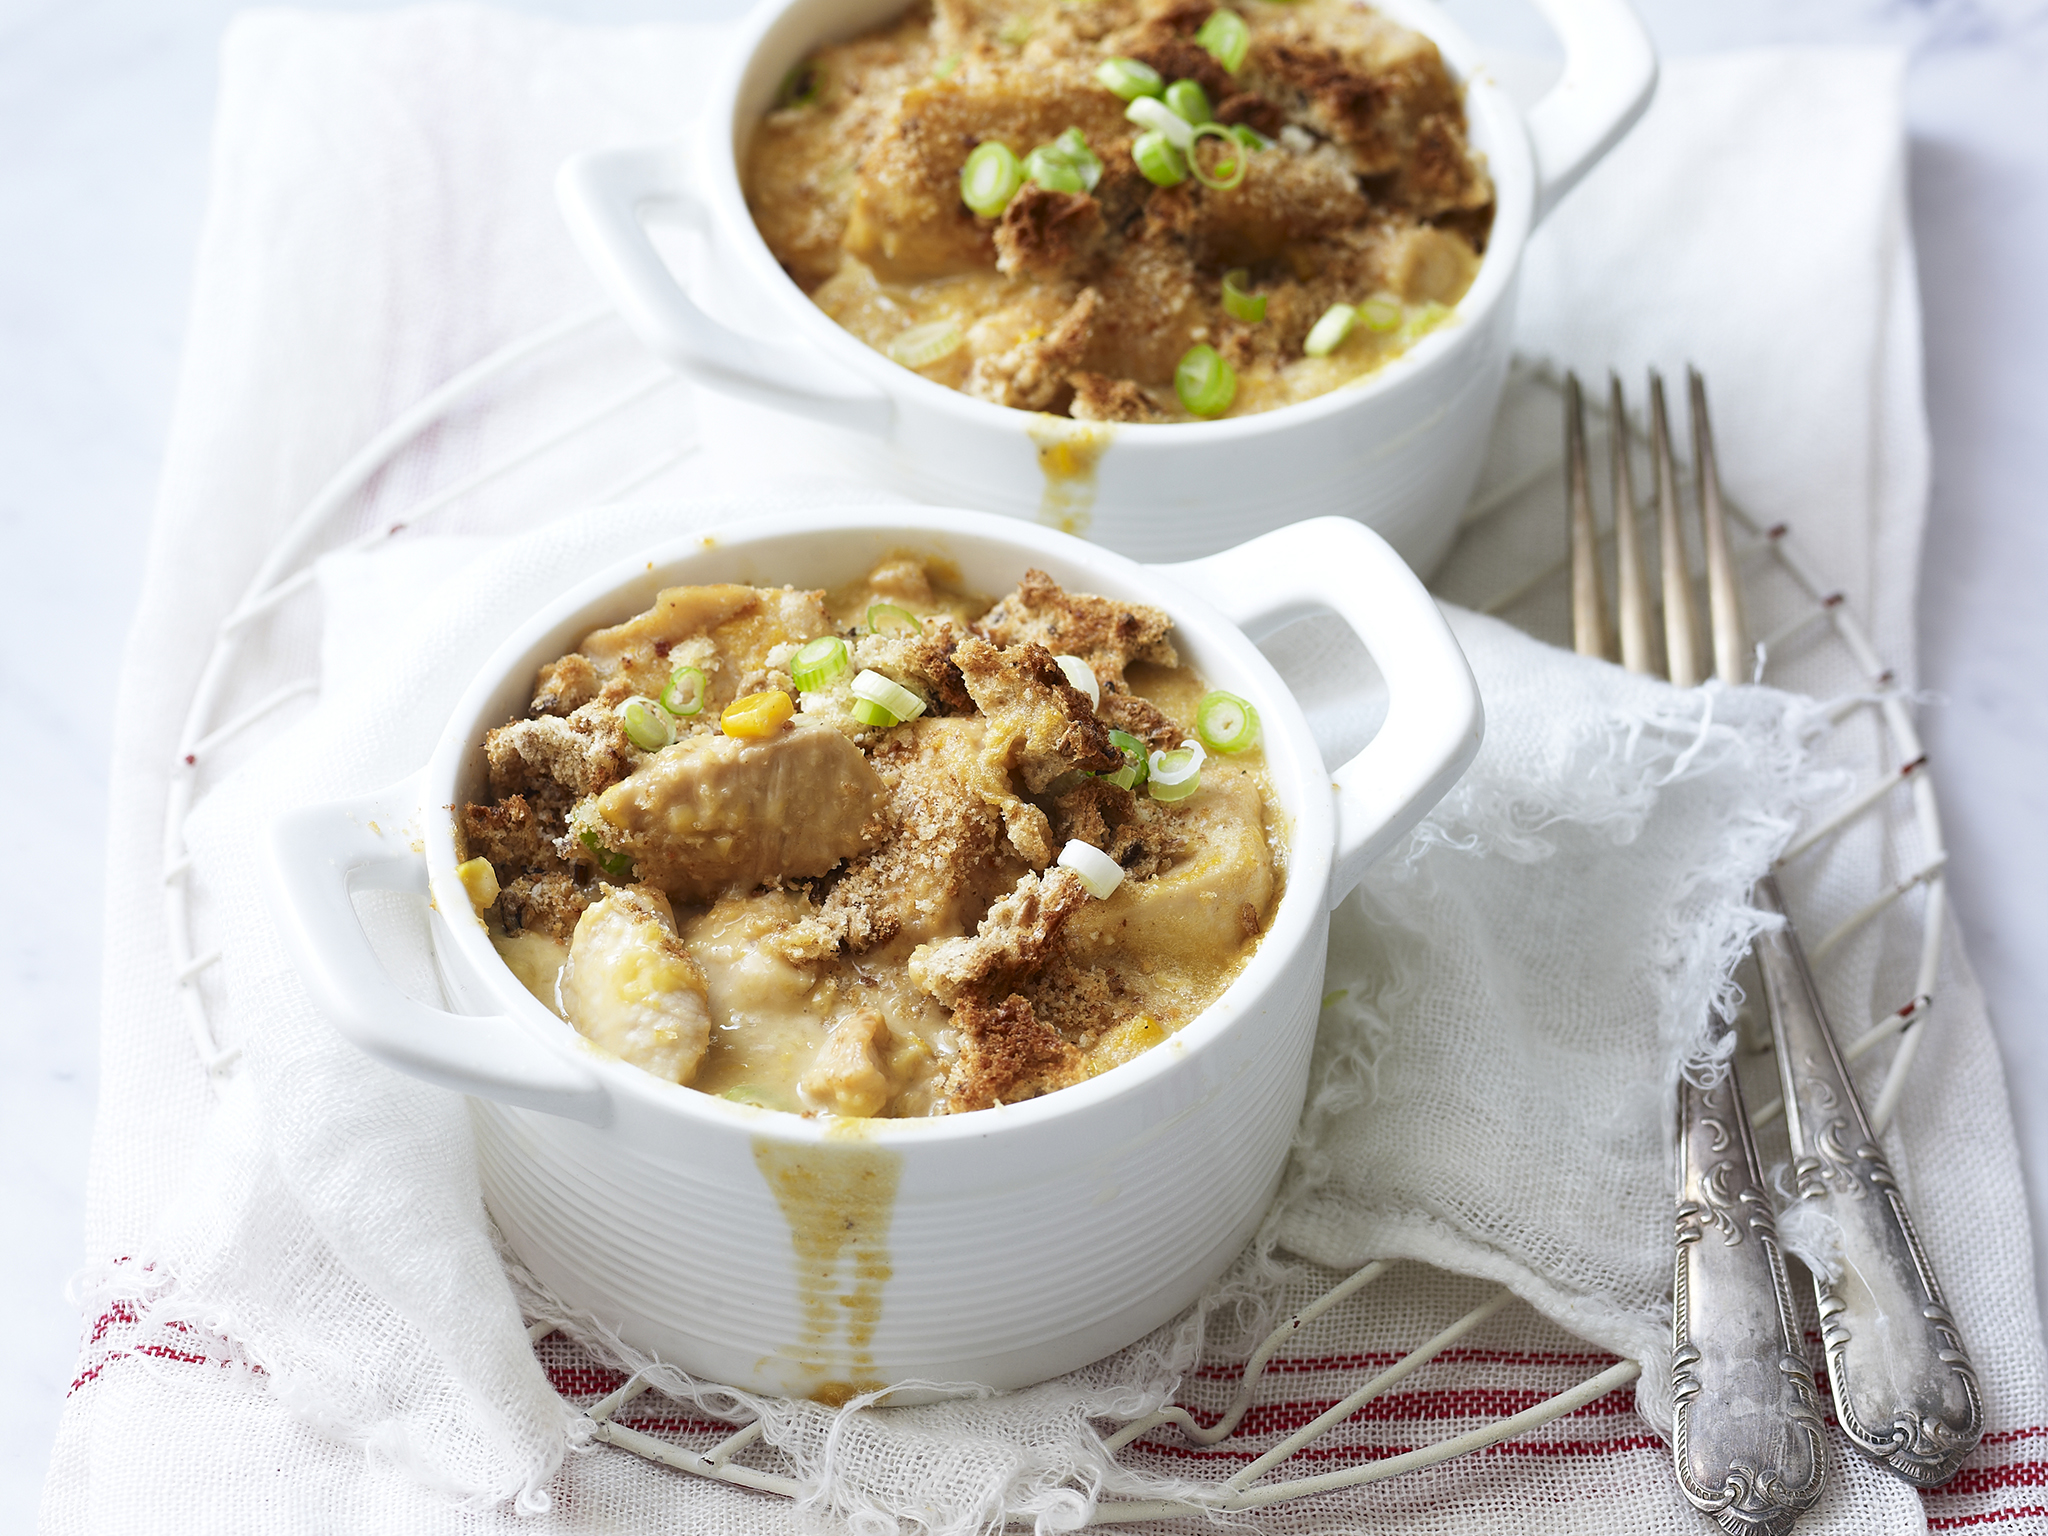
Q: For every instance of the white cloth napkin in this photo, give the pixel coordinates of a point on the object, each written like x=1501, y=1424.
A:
x=297, y=1317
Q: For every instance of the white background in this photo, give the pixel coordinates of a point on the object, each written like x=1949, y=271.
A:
x=105, y=113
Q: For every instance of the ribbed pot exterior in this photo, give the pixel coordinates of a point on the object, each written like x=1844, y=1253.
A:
x=1022, y=1253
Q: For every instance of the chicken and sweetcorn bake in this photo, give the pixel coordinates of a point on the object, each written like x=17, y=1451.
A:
x=1127, y=210
x=888, y=850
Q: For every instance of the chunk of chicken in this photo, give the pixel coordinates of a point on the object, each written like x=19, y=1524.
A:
x=631, y=988
x=1195, y=911
x=850, y=1075
x=718, y=813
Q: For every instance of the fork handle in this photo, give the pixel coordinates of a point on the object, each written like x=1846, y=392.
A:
x=1905, y=1392
x=1748, y=1442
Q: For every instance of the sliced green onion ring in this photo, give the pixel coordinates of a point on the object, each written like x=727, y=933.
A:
x=1158, y=161
x=1328, y=333
x=817, y=662
x=1098, y=871
x=891, y=697
x=1150, y=112
x=895, y=622
x=647, y=727
x=1381, y=312
x=1054, y=171
x=1082, y=676
x=945, y=67
x=1189, y=101
x=1136, y=761
x=684, y=695
x=867, y=712
x=1250, y=137
x=923, y=345
x=1129, y=78
x=1226, y=37
x=1240, y=303
x=990, y=178
x=1225, y=722
x=1177, y=774
x=1229, y=170
x=1205, y=383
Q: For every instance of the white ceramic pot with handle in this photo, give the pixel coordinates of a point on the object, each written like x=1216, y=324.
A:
x=1400, y=451
x=815, y=1255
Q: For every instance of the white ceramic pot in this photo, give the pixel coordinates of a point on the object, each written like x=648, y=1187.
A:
x=1399, y=451
x=809, y=1255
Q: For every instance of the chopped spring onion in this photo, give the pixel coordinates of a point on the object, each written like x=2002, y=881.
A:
x=1177, y=774
x=747, y=1093
x=1238, y=303
x=1328, y=333
x=1098, y=871
x=1016, y=31
x=1052, y=172
x=923, y=345
x=1082, y=676
x=1250, y=137
x=990, y=178
x=1226, y=37
x=1132, y=774
x=1230, y=167
x=617, y=865
x=945, y=67
x=1189, y=101
x=479, y=881
x=1226, y=723
x=757, y=714
x=1381, y=312
x=888, y=698
x=1205, y=383
x=1129, y=78
x=1150, y=112
x=1160, y=163
x=685, y=693
x=897, y=623
x=1067, y=164
x=802, y=86
x=647, y=726
x=817, y=662
x=867, y=712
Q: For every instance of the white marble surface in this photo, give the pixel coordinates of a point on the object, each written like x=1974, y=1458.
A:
x=104, y=118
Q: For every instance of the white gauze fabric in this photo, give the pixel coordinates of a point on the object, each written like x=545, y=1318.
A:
x=297, y=1317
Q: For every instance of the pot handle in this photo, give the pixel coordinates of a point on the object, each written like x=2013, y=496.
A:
x=601, y=194
x=324, y=853
x=1434, y=720
x=1610, y=73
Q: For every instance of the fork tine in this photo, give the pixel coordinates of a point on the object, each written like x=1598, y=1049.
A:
x=1638, y=635
x=1589, y=603
x=1724, y=594
x=1681, y=628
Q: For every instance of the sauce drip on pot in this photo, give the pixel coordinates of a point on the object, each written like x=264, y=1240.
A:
x=838, y=1199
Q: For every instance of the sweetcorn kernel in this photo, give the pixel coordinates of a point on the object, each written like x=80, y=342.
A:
x=479, y=880
x=758, y=714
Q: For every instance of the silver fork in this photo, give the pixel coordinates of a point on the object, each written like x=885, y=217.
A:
x=1748, y=1443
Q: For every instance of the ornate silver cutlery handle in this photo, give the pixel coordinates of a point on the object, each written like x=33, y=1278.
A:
x=1905, y=1391
x=1748, y=1442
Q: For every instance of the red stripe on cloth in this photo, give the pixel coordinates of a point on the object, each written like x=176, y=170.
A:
x=1387, y=1357
x=1618, y=1445
x=1420, y=1406
x=2013, y=1474
x=1989, y=1517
